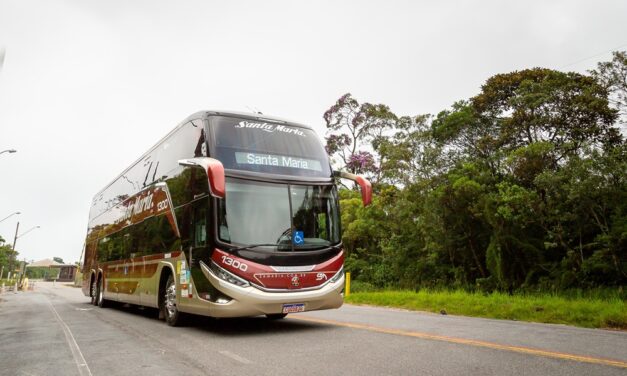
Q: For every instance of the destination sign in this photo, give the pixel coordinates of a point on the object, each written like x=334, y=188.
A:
x=269, y=128
x=277, y=160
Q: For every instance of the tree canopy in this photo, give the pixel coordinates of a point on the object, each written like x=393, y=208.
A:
x=523, y=186
x=6, y=255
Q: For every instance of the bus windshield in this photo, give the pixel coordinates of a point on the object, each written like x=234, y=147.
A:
x=264, y=146
x=278, y=217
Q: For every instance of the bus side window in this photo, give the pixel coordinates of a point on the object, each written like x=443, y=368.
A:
x=162, y=235
x=198, y=184
x=103, y=249
x=200, y=225
x=90, y=255
x=127, y=240
x=224, y=233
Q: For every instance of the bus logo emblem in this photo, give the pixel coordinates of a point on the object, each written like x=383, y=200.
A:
x=295, y=281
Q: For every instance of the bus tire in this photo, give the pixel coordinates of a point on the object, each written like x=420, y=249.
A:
x=102, y=302
x=276, y=316
x=92, y=290
x=172, y=315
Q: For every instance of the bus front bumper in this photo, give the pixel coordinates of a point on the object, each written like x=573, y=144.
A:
x=251, y=301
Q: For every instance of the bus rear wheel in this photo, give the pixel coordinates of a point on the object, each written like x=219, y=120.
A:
x=170, y=311
x=92, y=292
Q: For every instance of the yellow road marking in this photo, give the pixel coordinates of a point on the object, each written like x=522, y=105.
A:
x=471, y=342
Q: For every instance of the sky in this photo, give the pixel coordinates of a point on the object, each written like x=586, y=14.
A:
x=86, y=87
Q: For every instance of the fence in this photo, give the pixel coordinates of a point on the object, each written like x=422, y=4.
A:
x=9, y=286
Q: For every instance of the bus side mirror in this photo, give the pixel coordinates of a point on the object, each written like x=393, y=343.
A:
x=214, y=170
x=364, y=185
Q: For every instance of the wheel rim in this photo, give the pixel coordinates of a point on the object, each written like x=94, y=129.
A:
x=170, y=299
x=100, y=292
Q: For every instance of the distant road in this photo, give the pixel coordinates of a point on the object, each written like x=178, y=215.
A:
x=55, y=331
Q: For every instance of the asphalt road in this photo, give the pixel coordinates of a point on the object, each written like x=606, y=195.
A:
x=55, y=331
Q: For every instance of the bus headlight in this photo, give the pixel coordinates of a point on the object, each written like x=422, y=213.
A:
x=227, y=276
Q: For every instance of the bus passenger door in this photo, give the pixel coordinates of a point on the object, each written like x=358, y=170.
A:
x=197, y=250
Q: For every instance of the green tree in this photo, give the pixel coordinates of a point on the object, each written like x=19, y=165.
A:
x=6, y=255
x=613, y=76
x=458, y=203
x=411, y=154
x=518, y=109
x=363, y=230
x=520, y=186
x=584, y=218
x=42, y=272
x=516, y=239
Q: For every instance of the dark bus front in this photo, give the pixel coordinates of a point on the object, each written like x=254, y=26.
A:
x=280, y=193
x=277, y=228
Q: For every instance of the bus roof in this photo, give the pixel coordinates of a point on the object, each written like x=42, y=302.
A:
x=258, y=116
x=203, y=115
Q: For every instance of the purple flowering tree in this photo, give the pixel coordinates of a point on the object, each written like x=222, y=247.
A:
x=354, y=133
x=362, y=161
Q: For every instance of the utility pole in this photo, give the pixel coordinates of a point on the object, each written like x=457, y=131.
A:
x=12, y=258
x=13, y=254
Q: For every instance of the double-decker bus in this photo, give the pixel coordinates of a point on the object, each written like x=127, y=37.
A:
x=229, y=215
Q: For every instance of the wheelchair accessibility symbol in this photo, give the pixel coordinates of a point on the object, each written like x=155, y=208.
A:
x=299, y=237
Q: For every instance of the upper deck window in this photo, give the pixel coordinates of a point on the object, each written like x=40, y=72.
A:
x=264, y=146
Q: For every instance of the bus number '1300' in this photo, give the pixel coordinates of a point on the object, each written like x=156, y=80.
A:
x=234, y=263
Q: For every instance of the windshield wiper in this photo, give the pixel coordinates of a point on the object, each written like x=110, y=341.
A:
x=311, y=246
x=251, y=246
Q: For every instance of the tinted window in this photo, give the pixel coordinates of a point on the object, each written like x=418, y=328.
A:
x=161, y=163
x=315, y=214
x=114, y=246
x=255, y=213
x=280, y=216
x=263, y=146
x=187, y=185
x=152, y=236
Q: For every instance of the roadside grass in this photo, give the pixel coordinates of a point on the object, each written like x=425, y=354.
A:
x=543, y=308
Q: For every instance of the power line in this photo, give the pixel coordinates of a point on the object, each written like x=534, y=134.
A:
x=593, y=56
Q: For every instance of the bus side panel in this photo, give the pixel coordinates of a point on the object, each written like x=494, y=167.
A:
x=146, y=277
x=130, y=285
x=134, y=216
x=149, y=283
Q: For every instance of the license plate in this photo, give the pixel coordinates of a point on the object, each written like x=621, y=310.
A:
x=293, y=308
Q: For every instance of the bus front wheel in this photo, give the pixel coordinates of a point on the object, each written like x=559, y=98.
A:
x=170, y=311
